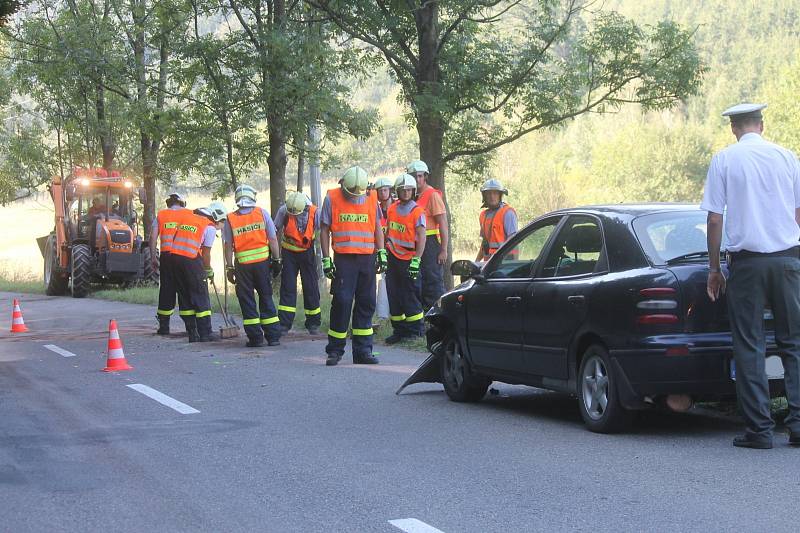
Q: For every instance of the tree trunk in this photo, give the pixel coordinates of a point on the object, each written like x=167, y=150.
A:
x=277, y=165
x=301, y=163
x=229, y=150
x=103, y=129
x=149, y=180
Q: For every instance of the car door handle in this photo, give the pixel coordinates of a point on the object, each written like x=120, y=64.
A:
x=576, y=300
x=514, y=300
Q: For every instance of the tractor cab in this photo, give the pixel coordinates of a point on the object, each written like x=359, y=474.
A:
x=102, y=212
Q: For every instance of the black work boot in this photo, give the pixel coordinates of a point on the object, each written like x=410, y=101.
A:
x=333, y=359
x=368, y=359
x=794, y=438
x=194, y=336
x=747, y=441
x=255, y=343
x=273, y=342
x=313, y=330
x=209, y=337
x=394, y=338
x=163, y=325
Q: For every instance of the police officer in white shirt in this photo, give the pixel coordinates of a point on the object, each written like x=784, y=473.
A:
x=756, y=184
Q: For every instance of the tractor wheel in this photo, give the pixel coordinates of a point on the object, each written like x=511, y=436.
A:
x=81, y=270
x=55, y=284
x=149, y=274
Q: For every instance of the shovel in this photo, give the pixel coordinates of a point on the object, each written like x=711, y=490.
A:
x=229, y=330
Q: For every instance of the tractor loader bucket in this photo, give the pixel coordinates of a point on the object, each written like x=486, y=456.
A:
x=429, y=371
x=42, y=242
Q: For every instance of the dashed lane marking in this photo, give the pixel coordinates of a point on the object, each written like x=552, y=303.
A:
x=412, y=525
x=163, y=399
x=59, y=350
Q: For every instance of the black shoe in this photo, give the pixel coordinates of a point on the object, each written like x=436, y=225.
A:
x=255, y=343
x=209, y=337
x=313, y=330
x=394, y=338
x=193, y=335
x=333, y=359
x=163, y=330
x=365, y=360
x=794, y=439
x=285, y=329
x=747, y=442
x=273, y=342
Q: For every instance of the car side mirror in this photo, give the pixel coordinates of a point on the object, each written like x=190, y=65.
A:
x=465, y=268
x=142, y=195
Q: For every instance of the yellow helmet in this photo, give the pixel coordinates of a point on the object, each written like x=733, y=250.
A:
x=295, y=202
x=355, y=181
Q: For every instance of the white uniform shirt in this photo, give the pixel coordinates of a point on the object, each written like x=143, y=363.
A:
x=756, y=185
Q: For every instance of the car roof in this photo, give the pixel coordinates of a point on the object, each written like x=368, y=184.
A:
x=629, y=210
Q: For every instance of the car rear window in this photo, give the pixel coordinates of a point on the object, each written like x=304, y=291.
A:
x=665, y=236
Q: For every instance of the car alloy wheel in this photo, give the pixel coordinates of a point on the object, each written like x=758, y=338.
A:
x=595, y=387
x=459, y=382
x=598, y=400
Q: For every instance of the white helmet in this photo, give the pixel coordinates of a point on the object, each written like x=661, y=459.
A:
x=218, y=211
x=405, y=181
x=245, y=196
x=354, y=181
x=296, y=202
x=417, y=166
x=177, y=197
x=493, y=185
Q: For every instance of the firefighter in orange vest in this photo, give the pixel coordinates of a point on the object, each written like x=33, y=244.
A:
x=405, y=241
x=498, y=220
x=250, y=238
x=384, y=188
x=437, y=234
x=350, y=223
x=191, y=256
x=164, y=227
x=297, y=221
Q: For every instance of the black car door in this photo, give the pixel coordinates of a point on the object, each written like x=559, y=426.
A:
x=559, y=295
x=496, y=304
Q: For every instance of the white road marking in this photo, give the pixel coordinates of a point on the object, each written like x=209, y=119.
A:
x=59, y=351
x=412, y=525
x=163, y=399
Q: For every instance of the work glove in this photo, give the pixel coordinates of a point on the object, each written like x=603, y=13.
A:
x=210, y=274
x=382, y=263
x=275, y=267
x=413, y=268
x=328, y=268
x=230, y=273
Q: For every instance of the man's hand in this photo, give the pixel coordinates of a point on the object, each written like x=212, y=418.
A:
x=328, y=268
x=442, y=257
x=275, y=267
x=715, y=287
x=230, y=273
x=383, y=261
x=210, y=274
x=413, y=268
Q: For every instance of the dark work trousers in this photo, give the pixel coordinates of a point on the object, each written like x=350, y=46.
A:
x=192, y=283
x=431, y=272
x=756, y=283
x=305, y=263
x=168, y=289
x=354, y=280
x=262, y=320
x=405, y=309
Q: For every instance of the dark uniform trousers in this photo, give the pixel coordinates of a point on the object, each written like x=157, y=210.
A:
x=405, y=309
x=354, y=280
x=431, y=272
x=168, y=289
x=191, y=280
x=305, y=263
x=756, y=282
x=262, y=320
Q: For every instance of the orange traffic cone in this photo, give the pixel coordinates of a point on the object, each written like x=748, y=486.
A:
x=116, y=357
x=17, y=324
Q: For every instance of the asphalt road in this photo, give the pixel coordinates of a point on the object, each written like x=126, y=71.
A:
x=282, y=443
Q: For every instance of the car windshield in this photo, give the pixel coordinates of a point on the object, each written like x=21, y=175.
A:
x=673, y=236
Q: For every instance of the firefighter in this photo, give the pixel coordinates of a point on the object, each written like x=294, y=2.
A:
x=383, y=187
x=249, y=236
x=191, y=256
x=297, y=221
x=437, y=234
x=405, y=241
x=164, y=227
x=350, y=223
x=498, y=220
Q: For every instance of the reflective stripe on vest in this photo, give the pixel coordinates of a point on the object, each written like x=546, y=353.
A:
x=167, y=226
x=353, y=225
x=493, y=229
x=432, y=227
x=249, y=231
x=292, y=239
x=402, y=231
x=189, y=234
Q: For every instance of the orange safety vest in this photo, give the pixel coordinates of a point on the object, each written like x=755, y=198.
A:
x=353, y=225
x=292, y=239
x=432, y=227
x=493, y=229
x=167, y=226
x=250, y=243
x=401, y=235
x=189, y=234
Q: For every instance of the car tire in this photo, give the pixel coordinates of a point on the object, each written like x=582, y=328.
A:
x=598, y=400
x=460, y=384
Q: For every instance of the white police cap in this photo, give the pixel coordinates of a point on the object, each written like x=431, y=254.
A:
x=743, y=109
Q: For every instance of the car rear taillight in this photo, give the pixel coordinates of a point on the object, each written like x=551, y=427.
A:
x=658, y=300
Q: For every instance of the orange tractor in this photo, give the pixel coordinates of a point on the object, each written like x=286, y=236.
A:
x=96, y=237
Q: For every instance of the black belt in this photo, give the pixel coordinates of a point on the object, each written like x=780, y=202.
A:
x=746, y=254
